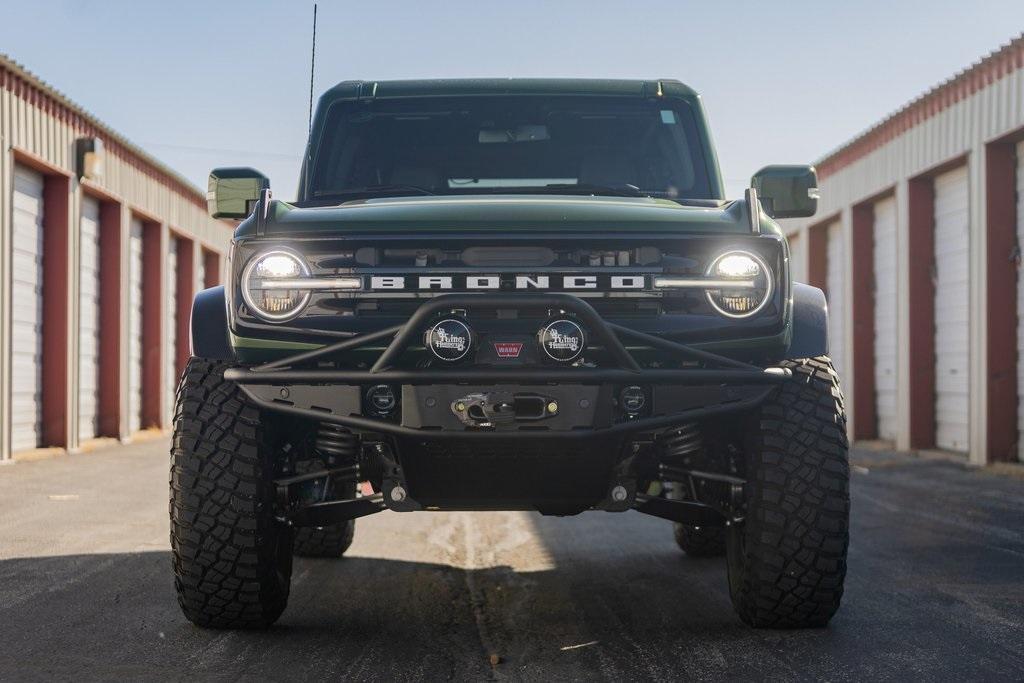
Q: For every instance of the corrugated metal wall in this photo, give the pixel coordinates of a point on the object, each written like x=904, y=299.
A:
x=959, y=124
x=38, y=129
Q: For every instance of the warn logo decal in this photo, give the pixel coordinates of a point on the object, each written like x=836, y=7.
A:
x=507, y=282
x=508, y=349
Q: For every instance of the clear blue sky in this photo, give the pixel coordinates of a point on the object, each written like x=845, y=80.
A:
x=202, y=84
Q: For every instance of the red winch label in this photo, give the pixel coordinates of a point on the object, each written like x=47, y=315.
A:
x=508, y=349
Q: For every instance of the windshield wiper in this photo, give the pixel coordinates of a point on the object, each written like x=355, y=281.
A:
x=623, y=190
x=375, y=189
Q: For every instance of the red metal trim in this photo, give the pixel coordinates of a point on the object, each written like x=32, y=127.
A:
x=145, y=216
x=110, y=319
x=152, y=323
x=865, y=422
x=184, y=294
x=56, y=294
x=211, y=269
x=947, y=165
x=26, y=158
x=97, y=192
x=1001, y=305
x=817, y=256
x=921, y=287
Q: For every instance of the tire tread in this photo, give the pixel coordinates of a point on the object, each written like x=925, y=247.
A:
x=225, y=544
x=796, y=533
x=702, y=541
x=328, y=541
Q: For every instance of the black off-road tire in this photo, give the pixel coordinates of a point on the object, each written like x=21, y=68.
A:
x=232, y=560
x=787, y=559
x=329, y=541
x=700, y=541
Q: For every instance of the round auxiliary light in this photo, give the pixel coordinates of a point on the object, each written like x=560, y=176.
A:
x=562, y=340
x=632, y=399
x=450, y=339
x=381, y=399
x=753, y=284
x=265, y=285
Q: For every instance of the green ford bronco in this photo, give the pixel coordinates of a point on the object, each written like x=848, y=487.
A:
x=510, y=295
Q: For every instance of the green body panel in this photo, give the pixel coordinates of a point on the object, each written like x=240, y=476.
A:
x=502, y=213
x=279, y=344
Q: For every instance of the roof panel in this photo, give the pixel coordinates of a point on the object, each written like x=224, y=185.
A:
x=504, y=86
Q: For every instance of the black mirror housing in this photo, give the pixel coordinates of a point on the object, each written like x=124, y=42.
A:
x=789, y=191
x=231, y=191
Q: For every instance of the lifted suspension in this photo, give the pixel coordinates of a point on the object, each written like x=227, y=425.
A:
x=309, y=498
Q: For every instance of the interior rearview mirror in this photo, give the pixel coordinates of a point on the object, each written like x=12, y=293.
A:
x=232, y=191
x=787, y=191
x=527, y=133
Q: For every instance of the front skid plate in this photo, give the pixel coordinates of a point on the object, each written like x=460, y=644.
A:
x=670, y=405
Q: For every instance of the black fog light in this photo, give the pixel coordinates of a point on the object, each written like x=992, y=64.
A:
x=562, y=340
x=381, y=400
x=632, y=399
x=450, y=339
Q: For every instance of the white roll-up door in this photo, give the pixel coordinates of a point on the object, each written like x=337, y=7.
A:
x=952, y=284
x=885, y=316
x=1020, y=303
x=834, y=293
x=27, y=310
x=89, y=318
x=171, y=333
x=135, y=326
x=200, y=272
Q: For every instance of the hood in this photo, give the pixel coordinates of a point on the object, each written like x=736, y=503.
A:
x=519, y=213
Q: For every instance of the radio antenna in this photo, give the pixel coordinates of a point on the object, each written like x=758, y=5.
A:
x=312, y=71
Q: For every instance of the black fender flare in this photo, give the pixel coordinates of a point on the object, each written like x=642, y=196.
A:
x=810, y=323
x=209, y=325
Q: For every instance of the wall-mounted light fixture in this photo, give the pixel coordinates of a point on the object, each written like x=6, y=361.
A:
x=89, y=158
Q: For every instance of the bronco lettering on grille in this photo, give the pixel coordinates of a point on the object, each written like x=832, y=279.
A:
x=513, y=282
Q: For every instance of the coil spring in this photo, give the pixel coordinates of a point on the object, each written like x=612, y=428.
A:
x=336, y=442
x=680, y=442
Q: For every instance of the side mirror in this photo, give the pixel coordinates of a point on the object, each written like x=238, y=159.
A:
x=232, y=191
x=787, y=191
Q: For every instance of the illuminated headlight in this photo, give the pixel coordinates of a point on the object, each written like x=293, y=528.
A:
x=272, y=285
x=753, y=285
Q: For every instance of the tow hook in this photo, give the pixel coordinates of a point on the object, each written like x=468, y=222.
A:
x=502, y=408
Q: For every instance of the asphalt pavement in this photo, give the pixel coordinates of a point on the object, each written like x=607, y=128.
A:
x=935, y=590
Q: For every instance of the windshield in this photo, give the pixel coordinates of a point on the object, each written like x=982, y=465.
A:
x=503, y=144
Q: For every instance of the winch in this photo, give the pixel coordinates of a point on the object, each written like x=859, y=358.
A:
x=502, y=408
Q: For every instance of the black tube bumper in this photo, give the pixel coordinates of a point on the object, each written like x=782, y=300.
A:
x=722, y=385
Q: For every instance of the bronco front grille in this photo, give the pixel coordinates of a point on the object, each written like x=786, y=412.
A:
x=615, y=274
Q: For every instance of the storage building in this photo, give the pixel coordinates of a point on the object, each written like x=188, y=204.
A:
x=102, y=248
x=917, y=244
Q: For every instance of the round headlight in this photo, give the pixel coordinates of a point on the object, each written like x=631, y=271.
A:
x=753, y=286
x=265, y=285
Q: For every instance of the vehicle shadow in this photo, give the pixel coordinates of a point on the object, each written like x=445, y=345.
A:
x=115, y=616
x=615, y=599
